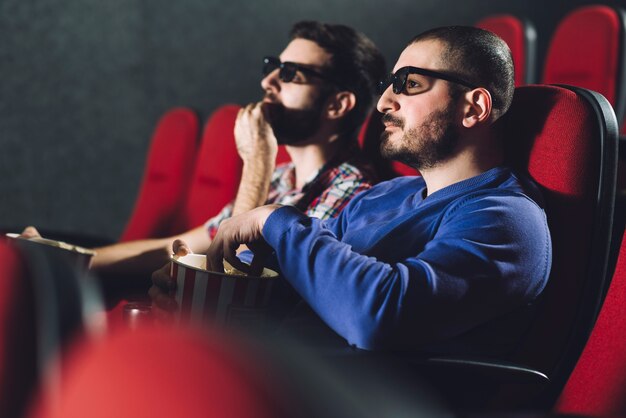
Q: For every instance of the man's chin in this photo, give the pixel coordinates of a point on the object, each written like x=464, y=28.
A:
x=274, y=111
x=287, y=140
x=294, y=127
x=400, y=156
x=388, y=152
x=391, y=151
x=387, y=146
x=282, y=140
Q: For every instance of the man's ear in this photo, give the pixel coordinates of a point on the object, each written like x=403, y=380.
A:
x=477, y=107
x=339, y=104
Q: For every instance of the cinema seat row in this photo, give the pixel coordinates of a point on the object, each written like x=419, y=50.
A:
x=587, y=49
x=187, y=180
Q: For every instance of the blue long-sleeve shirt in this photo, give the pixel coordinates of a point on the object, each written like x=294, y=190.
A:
x=398, y=270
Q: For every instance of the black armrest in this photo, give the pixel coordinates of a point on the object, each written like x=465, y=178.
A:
x=497, y=370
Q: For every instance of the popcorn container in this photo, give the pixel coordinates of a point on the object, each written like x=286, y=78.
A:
x=230, y=299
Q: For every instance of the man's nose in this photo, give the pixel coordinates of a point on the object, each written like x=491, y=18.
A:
x=387, y=102
x=271, y=81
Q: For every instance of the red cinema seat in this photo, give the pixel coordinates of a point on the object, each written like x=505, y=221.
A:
x=169, y=166
x=521, y=37
x=217, y=170
x=160, y=372
x=597, y=385
x=588, y=50
x=573, y=157
x=565, y=138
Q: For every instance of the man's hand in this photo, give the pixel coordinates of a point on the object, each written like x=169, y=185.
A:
x=30, y=232
x=161, y=277
x=253, y=134
x=257, y=146
x=243, y=229
x=163, y=284
x=163, y=303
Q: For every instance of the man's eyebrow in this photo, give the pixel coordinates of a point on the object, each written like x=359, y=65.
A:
x=313, y=66
x=417, y=75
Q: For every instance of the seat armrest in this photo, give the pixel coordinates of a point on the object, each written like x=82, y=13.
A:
x=492, y=369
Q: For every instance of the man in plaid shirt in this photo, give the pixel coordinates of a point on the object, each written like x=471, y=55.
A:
x=317, y=95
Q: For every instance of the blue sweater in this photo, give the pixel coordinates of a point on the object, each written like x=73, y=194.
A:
x=397, y=270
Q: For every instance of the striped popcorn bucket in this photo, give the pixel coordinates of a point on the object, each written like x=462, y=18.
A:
x=225, y=299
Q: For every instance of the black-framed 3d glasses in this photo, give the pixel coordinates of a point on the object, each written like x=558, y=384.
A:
x=288, y=70
x=398, y=79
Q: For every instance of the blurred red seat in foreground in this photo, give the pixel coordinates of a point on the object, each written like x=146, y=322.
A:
x=44, y=304
x=160, y=372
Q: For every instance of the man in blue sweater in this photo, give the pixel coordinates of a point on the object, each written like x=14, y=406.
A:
x=425, y=262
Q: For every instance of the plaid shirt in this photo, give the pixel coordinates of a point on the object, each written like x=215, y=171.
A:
x=323, y=196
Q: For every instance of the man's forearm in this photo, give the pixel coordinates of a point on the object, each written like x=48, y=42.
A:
x=134, y=257
x=145, y=256
x=254, y=186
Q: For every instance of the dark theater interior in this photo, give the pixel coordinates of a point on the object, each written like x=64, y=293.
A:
x=416, y=208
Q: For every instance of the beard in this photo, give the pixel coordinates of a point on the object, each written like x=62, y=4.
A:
x=293, y=126
x=424, y=146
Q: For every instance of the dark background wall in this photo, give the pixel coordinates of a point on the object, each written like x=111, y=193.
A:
x=82, y=83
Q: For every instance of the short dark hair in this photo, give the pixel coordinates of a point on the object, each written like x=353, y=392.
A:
x=356, y=64
x=478, y=56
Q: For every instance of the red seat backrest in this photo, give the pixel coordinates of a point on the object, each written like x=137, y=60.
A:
x=587, y=50
x=169, y=165
x=571, y=154
x=521, y=38
x=598, y=383
x=217, y=170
